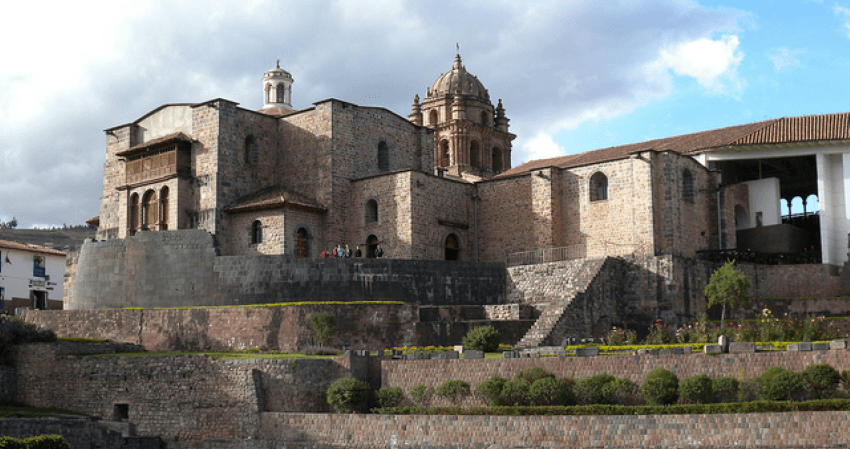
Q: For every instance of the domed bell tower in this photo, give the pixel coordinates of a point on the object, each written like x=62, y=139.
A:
x=471, y=136
x=277, y=88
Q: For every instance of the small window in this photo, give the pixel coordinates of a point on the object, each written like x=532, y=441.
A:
x=432, y=117
x=474, y=154
x=484, y=119
x=497, y=160
x=371, y=211
x=280, y=93
x=249, y=151
x=452, y=247
x=301, y=240
x=383, y=157
x=688, y=186
x=121, y=412
x=598, y=187
x=444, y=153
x=256, y=232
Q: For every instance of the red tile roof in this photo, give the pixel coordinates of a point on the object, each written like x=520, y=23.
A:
x=271, y=198
x=811, y=128
x=9, y=244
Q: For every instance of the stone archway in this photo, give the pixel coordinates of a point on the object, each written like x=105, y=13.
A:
x=452, y=247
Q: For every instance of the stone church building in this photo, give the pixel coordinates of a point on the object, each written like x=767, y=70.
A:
x=249, y=199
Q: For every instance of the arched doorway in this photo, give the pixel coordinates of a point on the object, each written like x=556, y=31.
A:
x=371, y=244
x=452, y=247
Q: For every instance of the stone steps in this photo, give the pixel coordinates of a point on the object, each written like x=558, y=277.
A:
x=552, y=314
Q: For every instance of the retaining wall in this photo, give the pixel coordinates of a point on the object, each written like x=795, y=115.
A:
x=180, y=268
x=756, y=430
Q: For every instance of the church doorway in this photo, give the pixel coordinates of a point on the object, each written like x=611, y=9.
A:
x=452, y=248
x=301, y=243
x=39, y=300
x=371, y=245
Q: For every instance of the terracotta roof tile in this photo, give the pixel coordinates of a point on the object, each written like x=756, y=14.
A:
x=271, y=198
x=9, y=244
x=811, y=128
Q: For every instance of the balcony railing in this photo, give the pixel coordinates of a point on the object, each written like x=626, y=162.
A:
x=571, y=252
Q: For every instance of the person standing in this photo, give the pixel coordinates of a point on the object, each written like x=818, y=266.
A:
x=347, y=252
x=357, y=253
x=378, y=251
x=340, y=251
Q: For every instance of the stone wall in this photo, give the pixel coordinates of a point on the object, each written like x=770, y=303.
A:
x=180, y=268
x=78, y=432
x=409, y=373
x=774, y=430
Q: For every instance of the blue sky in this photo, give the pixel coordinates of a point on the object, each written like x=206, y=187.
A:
x=573, y=75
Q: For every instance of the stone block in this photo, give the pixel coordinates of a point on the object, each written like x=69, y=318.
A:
x=712, y=349
x=666, y=352
x=647, y=352
x=742, y=347
x=590, y=351
x=820, y=346
x=473, y=354
x=679, y=351
x=451, y=355
x=805, y=346
x=838, y=344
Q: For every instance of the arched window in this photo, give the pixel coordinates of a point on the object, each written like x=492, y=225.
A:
x=474, y=154
x=269, y=97
x=371, y=211
x=133, y=218
x=484, y=119
x=301, y=239
x=497, y=160
x=371, y=245
x=149, y=210
x=688, y=187
x=163, y=208
x=444, y=153
x=598, y=187
x=432, y=117
x=452, y=247
x=256, y=232
x=280, y=93
x=383, y=157
x=250, y=150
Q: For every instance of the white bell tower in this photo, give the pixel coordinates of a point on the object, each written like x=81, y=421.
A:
x=277, y=88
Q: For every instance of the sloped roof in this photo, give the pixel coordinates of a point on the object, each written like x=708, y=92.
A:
x=173, y=137
x=29, y=247
x=806, y=129
x=272, y=198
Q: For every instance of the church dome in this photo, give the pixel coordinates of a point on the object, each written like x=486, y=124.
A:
x=277, y=72
x=448, y=83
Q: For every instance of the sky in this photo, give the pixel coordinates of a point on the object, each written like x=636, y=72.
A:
x=573, y=75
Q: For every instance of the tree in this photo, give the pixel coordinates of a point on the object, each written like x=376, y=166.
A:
x=727, y=287
x=323, y=326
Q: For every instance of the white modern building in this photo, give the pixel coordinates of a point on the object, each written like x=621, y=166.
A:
x=30, y=276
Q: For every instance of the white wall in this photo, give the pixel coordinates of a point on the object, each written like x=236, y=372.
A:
x=833, y=213
x=15, y=275
x=167, y=120
x=764, y=198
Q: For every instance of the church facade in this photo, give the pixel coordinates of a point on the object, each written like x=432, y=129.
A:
x=439, y=184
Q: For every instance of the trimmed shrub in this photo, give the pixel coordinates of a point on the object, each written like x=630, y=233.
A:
x=750, y=390
x=550, y=391
x=491, y=390
x=622, y=392
x=389, y=397
x=532, y=375
x=421, y=394
x=845, y=380
x=725, y=389
x=11, y=443
x=661, y=387
x=453, y=390
x=515, y=392
x=347, y=395
x=484, y=338
x=46, y=442
x=696, y=390
x=783, y=386
x=821, y=381
x=589, y=390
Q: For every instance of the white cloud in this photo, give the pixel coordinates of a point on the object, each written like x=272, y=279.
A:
x=713, y=63
x=844, y=14
x=785, y=58
x=542, y=146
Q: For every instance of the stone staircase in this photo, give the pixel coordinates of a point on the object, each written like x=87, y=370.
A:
x=551, y=315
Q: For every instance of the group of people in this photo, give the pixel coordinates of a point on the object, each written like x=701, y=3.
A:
x=346, y=253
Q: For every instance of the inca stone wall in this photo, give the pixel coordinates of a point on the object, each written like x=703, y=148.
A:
x=775, y=430
x=180, y=268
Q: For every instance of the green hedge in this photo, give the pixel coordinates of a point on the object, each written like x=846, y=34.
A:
x=676, y=409
x=39, y=442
